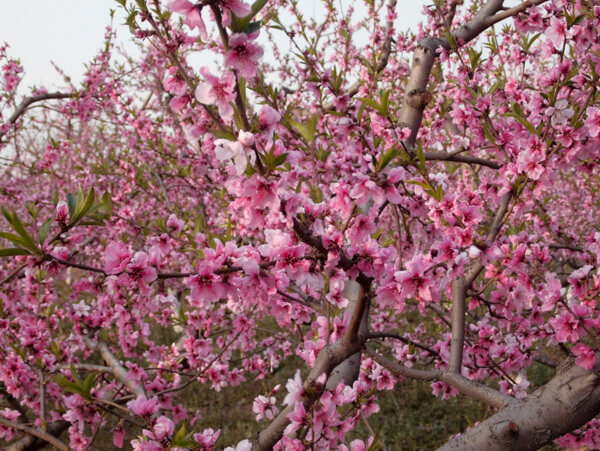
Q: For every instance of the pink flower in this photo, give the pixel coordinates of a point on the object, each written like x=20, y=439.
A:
x=207, y=438
x=217, y=91
x=593, y=121
x=10, y=414
x=532, y=153
x=146, y=445
x=567, y=328
x=244, y=445
x=226, y=150
x=585, y=356
x=441, y=388
x=116, y=257
x=178, y=103
x=529, y=163
x=560, y=113
x=62, y=212
x=294, y=388
x=118, y=436
x=143, y=406
x=246, y=138
x=174, y=83
x=268, y=118
x=243, y=54
x=174, y=224
x=205, y=287
x=193, y=15
x=265, y=407
x=238, y=7
x=297, y=419
x=556, y=32
x=414, y=281
x=140, y=271
x=163, y=428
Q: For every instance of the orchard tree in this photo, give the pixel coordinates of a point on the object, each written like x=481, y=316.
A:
x=381, y=205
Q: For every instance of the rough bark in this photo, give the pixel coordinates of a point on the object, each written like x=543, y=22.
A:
x=348, y=370
x=330, y=357
x=564, y=404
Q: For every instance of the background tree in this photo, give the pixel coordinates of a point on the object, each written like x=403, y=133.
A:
x=416, y=206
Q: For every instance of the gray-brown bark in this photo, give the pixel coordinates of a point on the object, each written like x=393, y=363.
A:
x=565, y=403
x=348, y=370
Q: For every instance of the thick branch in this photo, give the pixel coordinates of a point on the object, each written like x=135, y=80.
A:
x=467, y=387
x=510, y=12
x=416, y=95
x=565, y=403
x=349, y=369
x=477, y=390
x=328, y=359
x=411, y=114
x=457, y=341
x=118, y=371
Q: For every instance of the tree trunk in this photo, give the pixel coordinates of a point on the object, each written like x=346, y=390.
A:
x=564, y=404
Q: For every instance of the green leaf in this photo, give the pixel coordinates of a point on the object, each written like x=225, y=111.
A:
x=223, y=134
x=12, y=251
x=385, y=159
x=55, y=349
x=521, y=119
x=44, y=231
x=71, y=203
x=71, y=387
x=25, y=238
x=372, y=103
x=385, y=99
x=307, y=129
x=252, y=27
x=182, y=439
x=316, y=194
x=15, y=239
x=280, y=159
x=576, y=20
x=179, y=435
x=7, y=215
x=107, y=203
x=239, y=24
x=421, y=154
x=89, y=383
x=361, y=110
x=83, y=205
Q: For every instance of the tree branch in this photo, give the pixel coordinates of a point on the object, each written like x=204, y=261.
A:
x=416, y=96
x=401, y=370
x=408, y=341
x=477, y=390
x=457, y=342
x=567, y=402
x=385, y=56
x=118, y=371
x=33, y=99
x=443, y=156
x=34, y=432
x=328, y=359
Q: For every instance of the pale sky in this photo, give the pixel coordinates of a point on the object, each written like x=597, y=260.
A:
x=70, y=32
